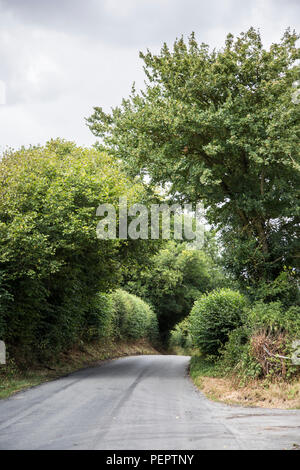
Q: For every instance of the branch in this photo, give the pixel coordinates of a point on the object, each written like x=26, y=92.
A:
x=275, y=355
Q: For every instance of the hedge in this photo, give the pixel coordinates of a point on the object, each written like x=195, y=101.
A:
x=213, y=317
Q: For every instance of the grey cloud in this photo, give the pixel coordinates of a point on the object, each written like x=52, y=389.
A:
x=76, y=25
x=129, y=22
x=59, y=58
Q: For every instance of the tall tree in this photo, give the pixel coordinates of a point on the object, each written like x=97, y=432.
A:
x=174, y=278
x=221, y=127
x=52, y=265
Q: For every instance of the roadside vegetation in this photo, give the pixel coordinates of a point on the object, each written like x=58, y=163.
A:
x=57, y=280
x=243, y=352
x=217, y=127
x=222, y=127
x=174, y=278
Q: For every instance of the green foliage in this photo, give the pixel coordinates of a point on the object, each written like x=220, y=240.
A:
x=175, y=277
x=180, y=336
x=221, y=127
x=52, y=263
x=260, y=346
x=284, y=289
x=5, y=299
x=213, y=317
x=236, y=346
x=134, y=318
x=274, y=317
x=100, y=319
x=202, y=366
x=236, y=355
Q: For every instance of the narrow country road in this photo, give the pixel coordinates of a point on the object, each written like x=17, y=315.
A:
x=141, y=402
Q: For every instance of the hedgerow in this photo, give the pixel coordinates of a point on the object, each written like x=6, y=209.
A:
x=134, y=318
x=180, y=336
x=54, y=269
x=263, y=346
x=213, y=317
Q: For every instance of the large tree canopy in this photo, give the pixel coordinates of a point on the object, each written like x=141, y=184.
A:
x=52, y=265
x=221, y=127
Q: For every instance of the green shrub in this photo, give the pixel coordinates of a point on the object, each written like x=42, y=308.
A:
x=153, y=329
x=213, y=317
x=274, y=327
x=236, y=346
x=274, y=317
x=259, y=348
x=122, y=307
x=5, y=299
x=284, y=289
x=207, y=366
x=100, y=320
x=137, y=319
x=180, y=336
x=134, y=318
x=236, y=355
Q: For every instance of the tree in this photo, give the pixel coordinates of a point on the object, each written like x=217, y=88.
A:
x=52, y=264
x=221, y=127
x=174, y=278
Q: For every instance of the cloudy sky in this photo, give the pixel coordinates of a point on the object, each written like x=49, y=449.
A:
x=59, y=58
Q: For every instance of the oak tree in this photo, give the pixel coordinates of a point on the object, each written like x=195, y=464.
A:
x=221, y=127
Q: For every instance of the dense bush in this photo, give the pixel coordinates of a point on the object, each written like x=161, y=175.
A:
x=236, y=355
x=263, y=346
x=52, y=264
x=101, y=319
x=134, y=318
x=284, y=288
x=213, y=317
x=180, y=336
x=274, y=328
x=274, y=317
x=236, y=346
x=5, y=299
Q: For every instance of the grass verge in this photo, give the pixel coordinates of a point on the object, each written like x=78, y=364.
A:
x=12, y=380
x=209, y=378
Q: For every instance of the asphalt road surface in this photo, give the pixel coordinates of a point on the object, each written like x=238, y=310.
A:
x=140, y=402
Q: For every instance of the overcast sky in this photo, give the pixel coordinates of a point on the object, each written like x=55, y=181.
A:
x=59, y=58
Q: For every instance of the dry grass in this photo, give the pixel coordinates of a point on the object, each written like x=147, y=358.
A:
x=281, y=395
x=210, y=378
x=79, y=357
